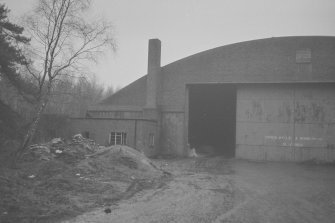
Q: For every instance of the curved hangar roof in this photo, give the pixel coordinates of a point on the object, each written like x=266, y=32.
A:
x=271, y=60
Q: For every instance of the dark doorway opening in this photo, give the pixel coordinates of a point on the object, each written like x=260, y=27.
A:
x=212, y=119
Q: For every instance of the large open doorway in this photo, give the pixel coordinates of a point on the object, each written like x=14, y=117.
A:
x=212, y=119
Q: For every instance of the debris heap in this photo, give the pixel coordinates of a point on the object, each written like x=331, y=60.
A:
x=66, y=178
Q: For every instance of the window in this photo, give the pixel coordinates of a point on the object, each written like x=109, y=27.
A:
x=118, y=138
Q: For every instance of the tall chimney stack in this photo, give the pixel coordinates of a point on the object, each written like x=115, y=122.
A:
x=154, y=67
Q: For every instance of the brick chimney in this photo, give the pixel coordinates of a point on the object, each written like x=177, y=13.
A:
x=154, y=67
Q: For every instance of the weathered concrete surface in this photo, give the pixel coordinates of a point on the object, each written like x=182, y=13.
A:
x=286, y=122
x=217, y=190
x=172, y=133
x=139, y=132
x=271, y=133
x=271, y=60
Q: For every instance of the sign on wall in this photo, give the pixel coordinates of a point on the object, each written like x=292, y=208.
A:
x=303, y=56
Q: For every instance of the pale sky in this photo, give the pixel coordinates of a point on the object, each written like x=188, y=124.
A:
x=186, y=27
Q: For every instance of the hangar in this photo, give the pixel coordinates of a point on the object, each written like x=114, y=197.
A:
x=267, y=99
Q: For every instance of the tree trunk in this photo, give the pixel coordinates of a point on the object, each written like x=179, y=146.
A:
x=32, y=130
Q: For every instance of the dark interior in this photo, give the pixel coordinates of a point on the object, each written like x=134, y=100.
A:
x=212, y=119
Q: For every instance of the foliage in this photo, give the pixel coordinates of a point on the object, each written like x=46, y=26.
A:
x=13, y=87
x=73, y=98
x=10, y=53
x=8, y=123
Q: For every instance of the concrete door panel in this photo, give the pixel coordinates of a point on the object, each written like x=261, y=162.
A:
x=290, y=122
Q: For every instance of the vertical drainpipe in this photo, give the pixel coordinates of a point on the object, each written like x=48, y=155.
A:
x=135, y=134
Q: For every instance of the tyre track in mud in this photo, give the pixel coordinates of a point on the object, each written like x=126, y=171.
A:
x=219, y=190
x=199, y=192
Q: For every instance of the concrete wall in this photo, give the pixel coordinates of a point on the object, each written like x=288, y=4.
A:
x=273, y=60
x=172, y=133
x=116, y=114
x=145, y=130
x=273, y=115
x=268, y=60
x=138, y=132
x=286, y=122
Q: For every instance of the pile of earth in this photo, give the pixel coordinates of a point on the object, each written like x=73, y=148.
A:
x=58, y=179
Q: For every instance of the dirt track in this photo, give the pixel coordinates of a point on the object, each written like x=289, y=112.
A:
x=219, y=190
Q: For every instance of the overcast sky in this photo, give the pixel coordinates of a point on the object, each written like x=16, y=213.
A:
x=186, y=27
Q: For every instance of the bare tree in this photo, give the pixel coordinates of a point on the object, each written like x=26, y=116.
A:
x=109, y=91
x=70, y=97
x=64, y=39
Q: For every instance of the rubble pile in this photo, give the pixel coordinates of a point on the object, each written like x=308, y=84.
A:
x=63, y=178
x=79, y=139
x=78, y=148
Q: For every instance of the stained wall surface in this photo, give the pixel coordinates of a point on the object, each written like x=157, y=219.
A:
x=272, y=60
x=278, y=126
x=284, y=109
x=147, y=139
x=172, y=133
x=139, y=132
x=291, y=122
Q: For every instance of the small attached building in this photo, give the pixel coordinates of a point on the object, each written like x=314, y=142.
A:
x=268, y=99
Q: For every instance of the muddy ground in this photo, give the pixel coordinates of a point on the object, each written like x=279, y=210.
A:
x=220, y=190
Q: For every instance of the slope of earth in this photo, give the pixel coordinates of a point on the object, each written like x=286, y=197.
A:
x=59, y=180
x=220, y=190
